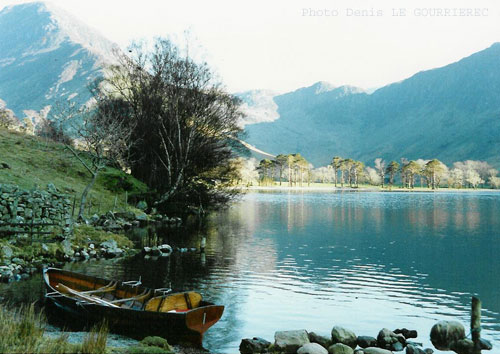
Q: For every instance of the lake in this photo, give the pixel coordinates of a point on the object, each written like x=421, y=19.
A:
x=311, y=260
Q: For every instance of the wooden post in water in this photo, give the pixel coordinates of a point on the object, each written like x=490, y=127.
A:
x=475, y=324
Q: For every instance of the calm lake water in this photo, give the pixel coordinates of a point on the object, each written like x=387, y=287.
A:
x=303, y=260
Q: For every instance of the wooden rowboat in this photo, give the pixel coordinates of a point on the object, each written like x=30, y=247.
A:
x=131, y=308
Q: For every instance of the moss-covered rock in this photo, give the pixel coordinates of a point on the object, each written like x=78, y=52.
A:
x=156, y=342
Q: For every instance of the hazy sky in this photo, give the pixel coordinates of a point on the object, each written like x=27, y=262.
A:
x=285, y=44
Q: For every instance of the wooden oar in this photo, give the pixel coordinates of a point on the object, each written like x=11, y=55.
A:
x=68, y=291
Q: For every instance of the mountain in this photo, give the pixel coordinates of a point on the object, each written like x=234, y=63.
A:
x=450, y=113
x=47, y=55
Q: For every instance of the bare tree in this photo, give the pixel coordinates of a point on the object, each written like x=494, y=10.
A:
x=185, y=122
x=100, y=135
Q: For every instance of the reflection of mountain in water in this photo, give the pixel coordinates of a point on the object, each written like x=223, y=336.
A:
x=391, y=255
x=295, y=260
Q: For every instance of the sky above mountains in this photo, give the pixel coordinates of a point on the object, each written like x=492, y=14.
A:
x=285, y=44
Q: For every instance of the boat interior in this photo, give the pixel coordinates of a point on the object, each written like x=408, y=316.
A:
x=130, y=295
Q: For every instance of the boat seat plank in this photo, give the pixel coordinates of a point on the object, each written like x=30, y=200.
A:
x=139, y=297
x=171, y=302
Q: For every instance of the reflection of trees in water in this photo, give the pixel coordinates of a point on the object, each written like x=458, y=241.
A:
x=423, y=249
x=436, y=241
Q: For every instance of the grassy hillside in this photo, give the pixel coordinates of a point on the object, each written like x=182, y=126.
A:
x=35, y=161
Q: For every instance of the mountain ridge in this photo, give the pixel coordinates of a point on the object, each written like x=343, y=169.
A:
x=47, y=55
x=442, y=113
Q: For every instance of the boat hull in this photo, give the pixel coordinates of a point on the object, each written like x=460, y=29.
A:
x=176, y=327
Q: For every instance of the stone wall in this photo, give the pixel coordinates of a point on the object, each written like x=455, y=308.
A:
x=35, y=206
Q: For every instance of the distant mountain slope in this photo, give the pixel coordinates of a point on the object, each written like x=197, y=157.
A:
x=46, y=55
x=452, y=113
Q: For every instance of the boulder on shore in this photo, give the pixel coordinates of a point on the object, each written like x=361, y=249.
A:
x=414, y=349
x=389, y=340
x=445, y=333
x=367, y=341
x=254, y=345
x=344, y=336
x=340, y=348
x=374, y=350
x=407, y=333
x=290, y=341
x=312, y=348
x=324, y=341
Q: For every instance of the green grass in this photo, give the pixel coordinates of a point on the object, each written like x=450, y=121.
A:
x=22, y=332
x=94, y=341
x=84, y=234
x=35, y=161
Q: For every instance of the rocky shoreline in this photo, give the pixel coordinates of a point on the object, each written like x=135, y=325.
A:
x=445, y=335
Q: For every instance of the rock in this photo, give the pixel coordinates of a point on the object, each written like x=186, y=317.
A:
x=142, y=205
x=344, y=336
x=254, y=345
x=18, y=261
x=359, y=351
x=407, y=333
x=374, y=350
x=415, y=344
x=366, y=341
x=387, y=339
x=165, y=249
x=462, y=346
x=444, y=333
x=4, y=165
x=428, y=351
x=113, y=252
x=91, y=246
x=67, y=249
x=290, y=341
x=85, y=254
x=6, y=273
x=486, y=344
x=155, y=341
x=340, y=348
x=7, y=252
x=397, y=347
x=94, y=219
x=324, y=341
x=52, y=188
x=110, y=244
x=146, y=250
x=141, y=217
x=312, y=348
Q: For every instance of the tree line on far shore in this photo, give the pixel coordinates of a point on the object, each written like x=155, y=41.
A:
x=295, y=170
